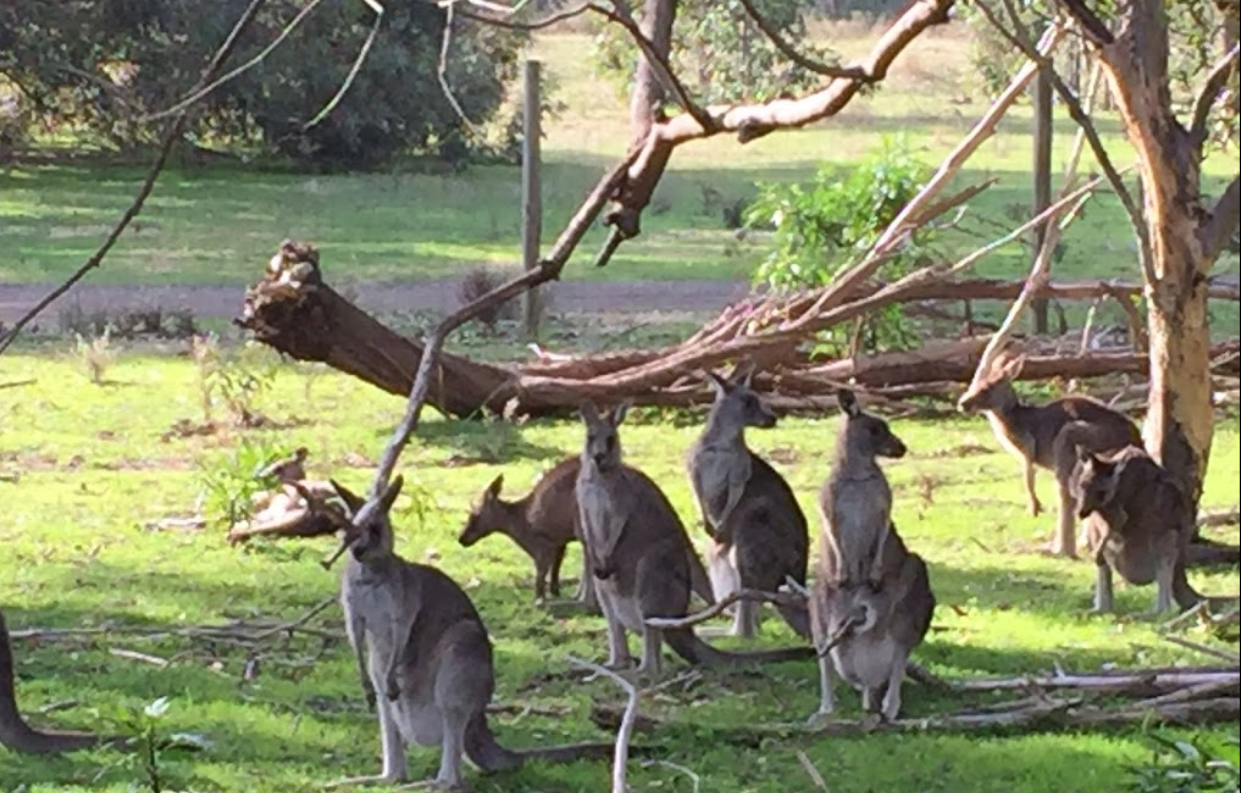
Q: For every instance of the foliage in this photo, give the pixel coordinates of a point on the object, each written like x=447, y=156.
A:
x=720, y=53
x=229, y=482
x=100, y=66
x=825, y=225
x=1202, y=763
x=230, y=377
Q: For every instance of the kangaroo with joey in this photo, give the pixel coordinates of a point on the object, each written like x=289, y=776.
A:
x=1033, y=434
x=420, y=643
x=758, y=533
x=637, y=548
x=19, y=736
x=871, y=604
x=1138, y=522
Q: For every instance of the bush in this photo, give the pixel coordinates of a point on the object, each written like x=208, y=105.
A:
x=827, y=224
x=1200, y=764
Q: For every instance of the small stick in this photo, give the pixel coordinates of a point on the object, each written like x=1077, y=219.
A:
x=717, y=608
x=1223, y=655
x=813, y=772
x=134, y=655
x=623, y=735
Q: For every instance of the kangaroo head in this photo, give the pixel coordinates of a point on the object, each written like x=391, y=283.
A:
x=737, y=405
x=603, y=448
x=486, y=516
x=369, y=535
x=858, y=608
x=864, y=435
x=994, y=390
x=1093, y=485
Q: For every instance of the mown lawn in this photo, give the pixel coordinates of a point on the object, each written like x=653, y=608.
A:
x=95, y=470
x=218, y=225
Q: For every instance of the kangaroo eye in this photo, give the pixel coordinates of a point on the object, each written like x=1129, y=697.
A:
x=611, y=442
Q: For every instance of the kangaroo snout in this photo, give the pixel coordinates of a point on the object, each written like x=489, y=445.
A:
x=894, y=449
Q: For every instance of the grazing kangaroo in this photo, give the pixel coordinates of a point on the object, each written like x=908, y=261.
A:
x=427, y=654
x=1033, y=434
x=1138, y=523
x=636, y=544
x=543, y=523
x=872, y=602
x=758, y=531
x=19, y=736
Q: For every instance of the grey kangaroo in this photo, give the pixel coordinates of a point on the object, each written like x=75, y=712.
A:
x=19, y=736
x=636, y=545
x=542, y=523
x=427, y=654
x=1033, y=434
x=1138, y=523
x=872, y=602
x=758, y=532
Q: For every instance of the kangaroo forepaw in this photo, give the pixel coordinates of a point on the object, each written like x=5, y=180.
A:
x=392, y=691
x=1036, y=508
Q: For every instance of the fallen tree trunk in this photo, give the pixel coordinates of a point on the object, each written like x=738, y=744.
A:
x=293, y=311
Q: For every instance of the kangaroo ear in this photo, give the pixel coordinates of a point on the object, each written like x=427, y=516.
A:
x=351, y=499
x=848, y=402
x=744, y=373
x=718, y=384
x=1012, y=369
x=495, y=487
x=389, y=496
x=590, y=413
x=1083, y=454
x=618, y=413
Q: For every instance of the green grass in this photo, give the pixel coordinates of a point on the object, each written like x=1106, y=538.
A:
x=218, y=226
x=95, y=470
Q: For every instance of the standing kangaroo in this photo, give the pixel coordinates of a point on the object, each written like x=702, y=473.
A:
x=543, y=523
x=19, y=736
x=636, y=544
x=872, y=602
x=1041, y=436
x=427, y=654
x=1138, y=522
x=758, y=531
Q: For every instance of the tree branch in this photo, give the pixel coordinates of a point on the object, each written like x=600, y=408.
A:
x=1224, y=220
x=1215, y=82
x=797, y=57
x=171, y=136
x=1082, y=118
x=624, y=734
x=1096, y=29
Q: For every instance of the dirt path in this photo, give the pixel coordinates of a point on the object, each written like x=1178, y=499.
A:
x=436, y=296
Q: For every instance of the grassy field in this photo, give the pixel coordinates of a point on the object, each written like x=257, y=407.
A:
x=96, y=470
x=407, y=226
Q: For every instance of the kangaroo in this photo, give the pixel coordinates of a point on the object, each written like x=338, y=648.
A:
x=758, y=531
x=432, y=666
x=872, y=627
x=19, y=736
x=1031, y=433
x=872, y=602
x=543, y=523
x=636, y=544
x=1138, y=523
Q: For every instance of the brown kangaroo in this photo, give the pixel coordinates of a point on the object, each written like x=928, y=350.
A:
x=1138, y=523
x=636, y=543
x=543, y=523
x=19, y=736
x=759, y=537
x=1033, y=434
x=421, y=644
x=872, y=602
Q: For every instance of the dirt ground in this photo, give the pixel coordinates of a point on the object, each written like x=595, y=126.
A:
x=380, y=298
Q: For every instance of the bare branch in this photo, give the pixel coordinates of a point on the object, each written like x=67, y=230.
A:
x=620, y=760
x=201, y=91
x=171, y=135
x=717, y=608
x=441, y=72
x=357, y=65
x=538, y=24
x=1096, y=29
x=1215, y=82
x=1082, y=118
x=1225, y=216
x=797, y=57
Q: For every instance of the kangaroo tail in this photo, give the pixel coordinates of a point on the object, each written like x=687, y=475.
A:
x=485, y=751
x=15, y=733
x=694, y=650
